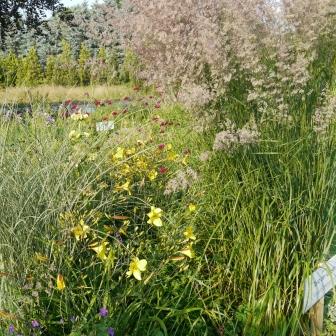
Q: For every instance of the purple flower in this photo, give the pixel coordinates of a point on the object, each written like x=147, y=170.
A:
x=110, y=331
x=11, y=329
x=35, y=324
x=103, y=312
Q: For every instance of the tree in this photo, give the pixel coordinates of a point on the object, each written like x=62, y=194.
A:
x=50, y=70
x=66, y=66
x=10, y=65
x=30, y=73
x=31, y=12
x=83, y=62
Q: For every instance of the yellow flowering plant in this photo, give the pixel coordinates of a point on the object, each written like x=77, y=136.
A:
x=136, y=267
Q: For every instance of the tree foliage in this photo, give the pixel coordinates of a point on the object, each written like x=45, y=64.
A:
x=24, y=12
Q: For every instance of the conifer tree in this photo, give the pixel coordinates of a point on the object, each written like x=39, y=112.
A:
x=30, y=68
x=51, y=70
x=83, y=65
x=10, y=64
x=2, y=70
x=67, y=67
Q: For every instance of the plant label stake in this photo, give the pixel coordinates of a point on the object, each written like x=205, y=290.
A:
x=316, y=286
x=104, y=126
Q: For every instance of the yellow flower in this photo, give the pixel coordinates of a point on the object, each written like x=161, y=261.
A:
x=103, y=185
x=130, y=151
x=40, y=257
x=126, y=169
x=141, y=164
x=136, y=267
x=100, y=250
x=188, y=251
x=155, y=216
x=172, y=156
x=81, y=230
x=185, y=161
x=79, y=116
x=189, y=233
x=60, y=282
x=191, y=207
x=119, y=155
x=124, y=187
x=74, y=135
x=169, y=146
x=152, y=175
x=92, y=157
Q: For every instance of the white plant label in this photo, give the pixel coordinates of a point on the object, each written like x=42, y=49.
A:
x=317, y=285
x=104, y=126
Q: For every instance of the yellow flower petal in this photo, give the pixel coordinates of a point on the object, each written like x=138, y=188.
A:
x=137, y=274
x=188, y=252
x=60, y=282
x=142, y=264
x=157, y=222
x=192, y=207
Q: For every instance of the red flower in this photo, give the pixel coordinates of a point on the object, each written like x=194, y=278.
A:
x=163, y=170
x=157, y=105
x=114, y=113
x=68, y=102
x=97, y=102
x=161, y=146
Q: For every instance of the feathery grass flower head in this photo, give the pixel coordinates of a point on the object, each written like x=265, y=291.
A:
x=155, y=216
x=60, y=282
x=136, y=267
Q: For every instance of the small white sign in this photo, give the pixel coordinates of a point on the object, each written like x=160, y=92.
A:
x=319, y=284
x=104, y=126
